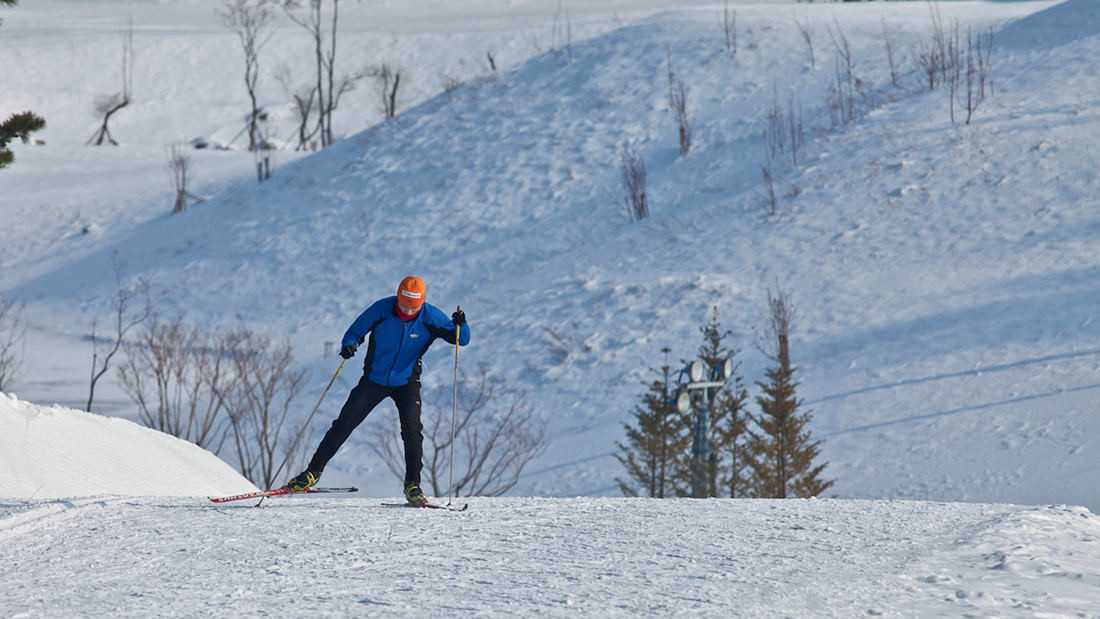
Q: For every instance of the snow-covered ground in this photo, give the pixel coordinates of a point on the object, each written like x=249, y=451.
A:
x=54, y=453
x=588, y=557
x=943, y=275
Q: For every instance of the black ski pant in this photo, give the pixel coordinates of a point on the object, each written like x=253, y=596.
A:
x=361, y=401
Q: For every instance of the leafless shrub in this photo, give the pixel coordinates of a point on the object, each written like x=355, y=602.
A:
x=107, y=106
x=775, y=132
x=843, y=90
x=174, y=373
x=496, y=435
x=979, y=54
x=125, y=316
x=806, y=31
x=769, y=190
x=303, y=98
x=953, y=66
x=388, y=80
x=179, y=166
x=679, y=105
x=12, y=330
x=634, y=183
x=891, y=59
x=784, y=131
x=259, y=402
x=796, y=133
x=729, y=28
x=928, y=62
x=933, y=57
x=561, y=33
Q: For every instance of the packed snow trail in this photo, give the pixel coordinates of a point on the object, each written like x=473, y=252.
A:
x=516, y=557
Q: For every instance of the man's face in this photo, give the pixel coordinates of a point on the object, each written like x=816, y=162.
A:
x=406, y=307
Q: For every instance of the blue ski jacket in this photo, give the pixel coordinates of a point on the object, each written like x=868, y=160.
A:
x=396, y=346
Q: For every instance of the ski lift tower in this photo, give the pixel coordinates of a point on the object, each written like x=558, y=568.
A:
x=698, y=394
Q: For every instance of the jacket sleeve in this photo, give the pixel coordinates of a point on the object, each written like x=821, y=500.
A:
x=363, y=324
x=442, y=327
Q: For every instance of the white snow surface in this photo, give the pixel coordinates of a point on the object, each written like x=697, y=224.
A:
x=54, y=452
x=944, y=275
x=588, y=557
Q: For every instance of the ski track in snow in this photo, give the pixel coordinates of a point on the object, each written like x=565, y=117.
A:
x=584, y=557
x=945, y=276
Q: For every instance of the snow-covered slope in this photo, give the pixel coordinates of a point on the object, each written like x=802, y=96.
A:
x=942, y=274
x=54, y=452
x=551, y=558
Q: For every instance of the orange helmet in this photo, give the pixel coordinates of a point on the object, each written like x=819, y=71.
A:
x=411, y=294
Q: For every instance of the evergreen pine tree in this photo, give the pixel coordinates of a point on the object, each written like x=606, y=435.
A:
x=733, y=432
x=780, y=452
x=17, y=125
x=654, y=445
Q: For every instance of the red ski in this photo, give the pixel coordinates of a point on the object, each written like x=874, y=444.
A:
x=278, y=492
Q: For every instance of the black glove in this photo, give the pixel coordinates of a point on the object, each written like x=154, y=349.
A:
x=459, y=318
x=348, y=351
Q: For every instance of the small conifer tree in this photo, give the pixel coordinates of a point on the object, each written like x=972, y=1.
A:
x=781, y=453
x=17, y=125
x=20, y=126
x=655, y=444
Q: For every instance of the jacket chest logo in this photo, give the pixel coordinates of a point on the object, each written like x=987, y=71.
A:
x=414, y=335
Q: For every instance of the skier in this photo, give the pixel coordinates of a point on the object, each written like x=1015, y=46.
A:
x=401, y=329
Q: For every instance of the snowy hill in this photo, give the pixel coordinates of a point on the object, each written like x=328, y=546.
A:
x=942, y=274
x=556, y=558
x=54, y=452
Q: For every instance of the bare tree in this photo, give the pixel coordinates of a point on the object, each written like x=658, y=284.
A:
x=388, y=80
x=329, y=88
x=492, y=61
x=108, y=105
x=888, y=41
x=679, y=105
x=769, y=190
x=561, y=33
x=796, y=134
x=174, y=373
x=12, y=330
x=953, y=77
x=775, y=132
x=729, y=28
x=259, y=406
x=844, y=88
x=634, y=183
x=251, y=21
x=933, y=57
x=304, y=101
x=979, y=50
x=179, y=166
x=495, y=437
x=807, y=33
x=125, y=316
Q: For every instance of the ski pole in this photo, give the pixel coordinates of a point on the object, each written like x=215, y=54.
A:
x=294, y=444
x=454, y=415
